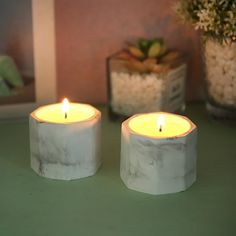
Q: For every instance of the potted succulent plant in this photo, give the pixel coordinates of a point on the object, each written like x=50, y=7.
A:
x=217, y=22
x=146, y=76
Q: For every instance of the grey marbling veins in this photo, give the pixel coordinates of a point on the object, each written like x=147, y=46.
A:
x=158, y=166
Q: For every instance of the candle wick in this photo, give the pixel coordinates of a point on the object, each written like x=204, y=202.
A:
x=65, y=115
x=160, y=128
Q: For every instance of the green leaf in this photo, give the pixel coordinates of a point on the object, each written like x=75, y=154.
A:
x=144, y=45
x=154, y=50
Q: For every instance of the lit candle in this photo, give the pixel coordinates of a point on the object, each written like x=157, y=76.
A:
x=65, y=106
x=65, y=140
x=160, y=125
x=158, y=153
x=160, y=122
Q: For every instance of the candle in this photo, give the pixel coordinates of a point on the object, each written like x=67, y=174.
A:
x=158, y=153
x=65, y=140
x=160, y=125
x=65, y=112
x=66, y=107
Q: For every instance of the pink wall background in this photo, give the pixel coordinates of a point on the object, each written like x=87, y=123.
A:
x=16, y=37
x=89, y=31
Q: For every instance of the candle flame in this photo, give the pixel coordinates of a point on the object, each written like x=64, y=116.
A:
x=160, y=122
x=65, y=106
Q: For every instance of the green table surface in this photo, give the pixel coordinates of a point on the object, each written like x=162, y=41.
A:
x=102, y=205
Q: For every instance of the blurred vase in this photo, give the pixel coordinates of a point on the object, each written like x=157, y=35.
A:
x=220, y=68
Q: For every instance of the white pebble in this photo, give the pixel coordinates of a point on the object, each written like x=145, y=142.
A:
x=221, y=72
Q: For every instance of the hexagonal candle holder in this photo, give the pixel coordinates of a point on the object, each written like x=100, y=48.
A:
x=65, y=141
x=158, y=153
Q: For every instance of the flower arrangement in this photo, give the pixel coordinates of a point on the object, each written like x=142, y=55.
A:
x=216, y=18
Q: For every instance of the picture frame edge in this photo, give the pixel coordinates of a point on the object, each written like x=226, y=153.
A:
x=44, y=61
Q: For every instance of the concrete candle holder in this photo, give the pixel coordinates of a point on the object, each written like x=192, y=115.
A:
x=158, y=165
x=65, y=150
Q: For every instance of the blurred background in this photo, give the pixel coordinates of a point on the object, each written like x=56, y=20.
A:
x=87, y=32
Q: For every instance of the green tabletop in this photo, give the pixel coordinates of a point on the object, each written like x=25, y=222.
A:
x=101, y=205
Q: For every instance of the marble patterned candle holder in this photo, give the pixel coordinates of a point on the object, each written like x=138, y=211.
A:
x=158, y=165
x=65, y=151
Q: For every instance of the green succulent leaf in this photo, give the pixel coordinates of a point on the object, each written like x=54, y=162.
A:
x=155, y=49
x=143, y=44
